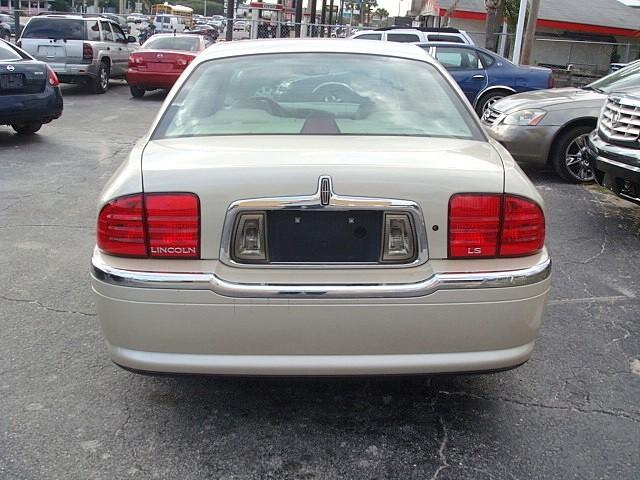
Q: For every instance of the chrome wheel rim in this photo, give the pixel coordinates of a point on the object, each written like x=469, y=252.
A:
x=489, y=103
x=104, y=78
x=577, y=160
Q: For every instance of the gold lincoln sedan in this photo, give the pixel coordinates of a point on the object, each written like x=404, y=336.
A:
x=319, y=207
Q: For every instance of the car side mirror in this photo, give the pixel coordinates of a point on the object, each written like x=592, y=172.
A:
x=131, y=39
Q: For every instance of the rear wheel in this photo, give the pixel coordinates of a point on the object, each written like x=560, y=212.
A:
x=101, y=83
x=489, y=99
x=136, y=91
x=27, y=128
x=569, y=156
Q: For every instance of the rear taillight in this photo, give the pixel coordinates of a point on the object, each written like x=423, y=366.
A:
x=183, y=61
x=552, y=81
x=87, y=52
x=494, y=225
x=136, y=61
x=52, y=77
x=158, y=225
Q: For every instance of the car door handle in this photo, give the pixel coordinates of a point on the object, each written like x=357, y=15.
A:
x=479, y=77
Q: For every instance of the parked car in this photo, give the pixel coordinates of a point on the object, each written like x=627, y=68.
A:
x=80, y=49
x=208, y=31
x=168, y=24
x=161, y=60
x=262, y=227
x=120, y=20
x=484, y=76
x=240, y=26
x=7, y=26
x=614, y=147
x=415, y=35
x=29, y=92
x=552, y=126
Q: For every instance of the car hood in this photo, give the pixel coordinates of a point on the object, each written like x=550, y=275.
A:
x=552, y=99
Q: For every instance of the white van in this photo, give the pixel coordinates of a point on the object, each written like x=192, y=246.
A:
x=168, y=24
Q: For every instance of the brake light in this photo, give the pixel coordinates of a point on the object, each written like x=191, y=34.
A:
x=158, y=225
x=136, y=61
x=552, y=81
x=474, y=225
x=121, y=227
x=183, y=61
x=87, y=52
x=52, y=77
x=494, y=225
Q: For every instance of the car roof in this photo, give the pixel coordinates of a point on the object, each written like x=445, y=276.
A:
x=71, y=16
x=327, y=45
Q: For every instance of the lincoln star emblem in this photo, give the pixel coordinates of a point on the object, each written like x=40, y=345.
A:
x=616, y=118
x=11, y=68
x=325, y=190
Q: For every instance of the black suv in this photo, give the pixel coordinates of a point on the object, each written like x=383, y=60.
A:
x=614, y=147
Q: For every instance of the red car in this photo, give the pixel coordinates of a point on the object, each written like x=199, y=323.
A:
x=161, y=60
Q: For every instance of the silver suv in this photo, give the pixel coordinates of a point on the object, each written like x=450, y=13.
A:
x=80, y=49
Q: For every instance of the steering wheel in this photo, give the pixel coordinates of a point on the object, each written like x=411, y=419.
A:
x=264, y=103
x=334, y=92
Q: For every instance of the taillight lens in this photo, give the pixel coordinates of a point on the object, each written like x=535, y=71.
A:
x=523, y=227
x=494, y=225
x=87, y=52
x=121, y=229
x=158, y=225
x=552, y=81
x=474, y=225
x=183, y=61
x=136, y=61
x=173, y=225
x=52, y=77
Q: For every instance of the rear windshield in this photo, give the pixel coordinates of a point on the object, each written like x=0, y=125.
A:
x=186, y=44
x=58, y=28
x=319, y=94
x=8, y=53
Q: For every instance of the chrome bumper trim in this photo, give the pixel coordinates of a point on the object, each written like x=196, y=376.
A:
x=210, y=281
x=615, y=163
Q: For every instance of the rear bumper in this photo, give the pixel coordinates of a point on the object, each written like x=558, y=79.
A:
x=31, y=107
x=526, y=144
x=195, y=326
x=66, y=72
x=616, y=168
x=151, y=79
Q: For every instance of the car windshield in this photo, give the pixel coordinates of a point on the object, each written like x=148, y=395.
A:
x=186, y=44
x=623, y=78
x=7, y=53
x=58, y=28
x=330, y=94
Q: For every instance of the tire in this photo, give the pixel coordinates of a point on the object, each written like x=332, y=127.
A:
x=136, y=91
x=569, y=156
x=489, y=99
x=101, y=83
x=27, y=128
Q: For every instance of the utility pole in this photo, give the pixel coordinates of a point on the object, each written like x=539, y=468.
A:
x=331, y=17
x=530, y=33
x=323, y=17
x=230, y=14
x=312, y=17
x=298, y=21
x=517, y=49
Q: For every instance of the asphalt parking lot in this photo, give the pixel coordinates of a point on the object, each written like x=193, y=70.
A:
x=66, y=412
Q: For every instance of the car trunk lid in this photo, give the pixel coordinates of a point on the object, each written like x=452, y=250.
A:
x=22, y=77
x=161, y=61
x=222, y=170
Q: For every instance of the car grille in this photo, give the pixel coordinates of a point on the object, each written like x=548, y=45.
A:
x=620, y=120
x=490, y=116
